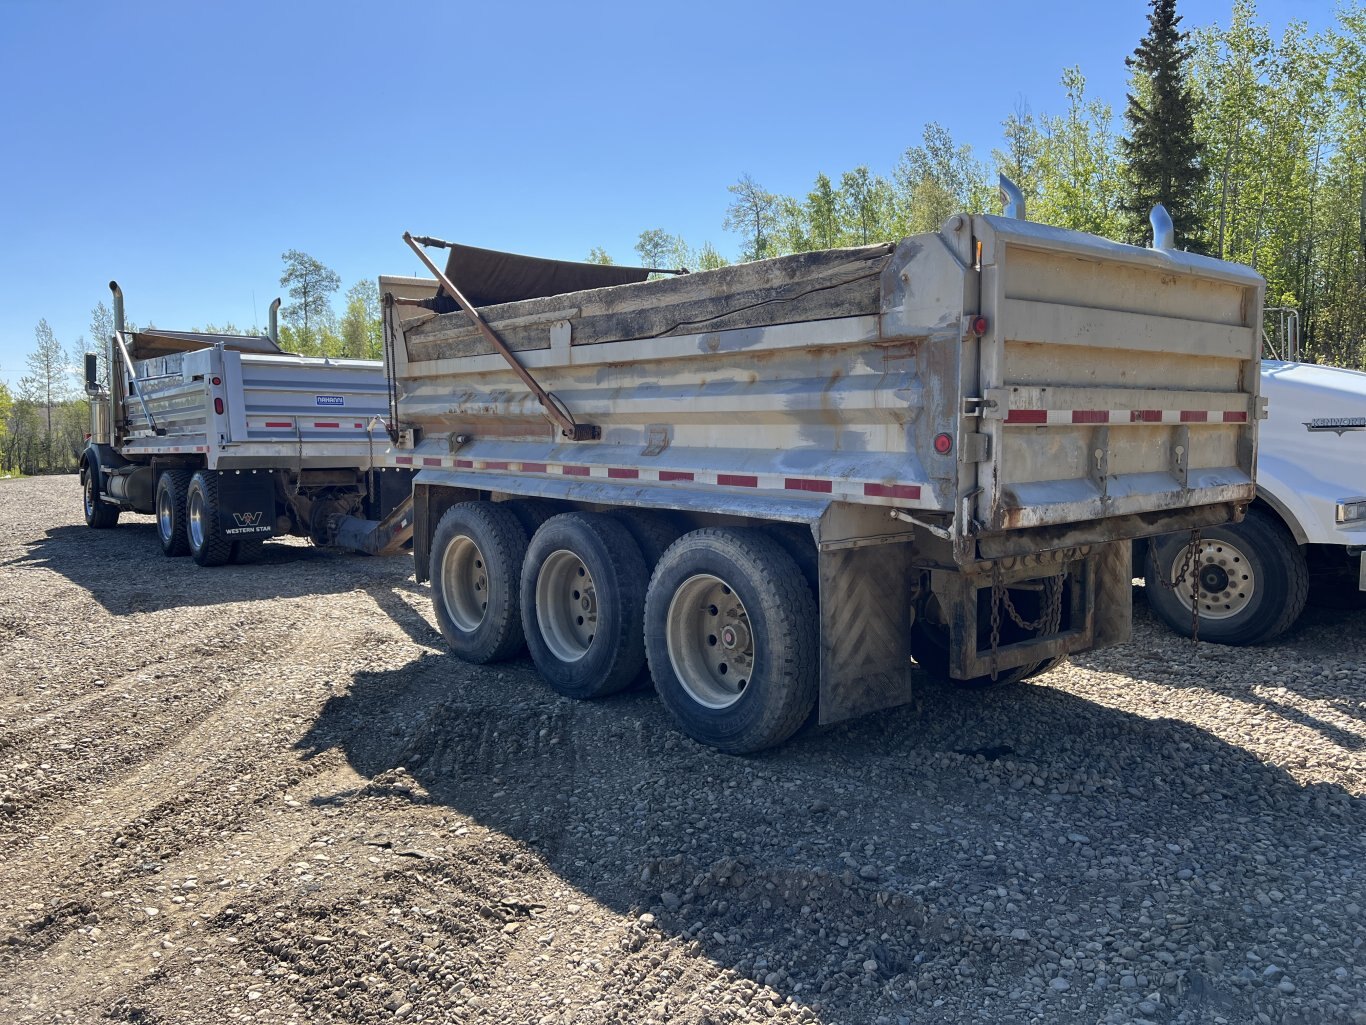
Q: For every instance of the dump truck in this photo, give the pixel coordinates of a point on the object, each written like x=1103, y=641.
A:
x=784, y=488
x=229, y=441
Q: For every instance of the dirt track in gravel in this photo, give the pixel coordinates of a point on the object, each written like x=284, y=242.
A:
x=265, y=793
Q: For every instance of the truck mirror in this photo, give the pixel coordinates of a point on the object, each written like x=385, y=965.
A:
x=92, y=373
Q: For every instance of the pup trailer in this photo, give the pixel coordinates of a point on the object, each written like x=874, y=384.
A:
x=782, y=487
x=230, y=441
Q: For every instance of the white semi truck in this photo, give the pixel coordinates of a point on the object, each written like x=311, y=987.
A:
x=1306, y=528
x=229, y=441
x=781, y=487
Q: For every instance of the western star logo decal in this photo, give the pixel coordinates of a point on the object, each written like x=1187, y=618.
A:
x=1337, y=424
x=248, y=523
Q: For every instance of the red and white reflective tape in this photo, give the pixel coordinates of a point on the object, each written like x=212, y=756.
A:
x=885, y=490
x=1126, y=416
x=322, y=425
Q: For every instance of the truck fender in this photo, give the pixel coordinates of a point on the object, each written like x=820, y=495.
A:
x=99, y=458
x=1282, y=499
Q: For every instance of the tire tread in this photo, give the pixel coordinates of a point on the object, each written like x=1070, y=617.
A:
x=504, y=544
x=788, y=606
x=217, y=547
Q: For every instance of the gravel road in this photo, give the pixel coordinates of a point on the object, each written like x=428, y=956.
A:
x=265, y=793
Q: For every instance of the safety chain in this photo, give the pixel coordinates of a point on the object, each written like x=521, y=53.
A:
x=1190, y=561
x=1048, y=623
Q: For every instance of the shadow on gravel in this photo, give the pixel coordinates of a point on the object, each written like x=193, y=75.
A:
x=125, y=571
x=1321, y=658
x=874, y=868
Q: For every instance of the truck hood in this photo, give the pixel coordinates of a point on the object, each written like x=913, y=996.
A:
x=1333, y=385
x=1312, y=445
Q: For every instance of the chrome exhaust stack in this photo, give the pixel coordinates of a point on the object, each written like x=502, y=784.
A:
x=1164, y=232
x=273, y=330
x=118, y=306
x=1012, y=199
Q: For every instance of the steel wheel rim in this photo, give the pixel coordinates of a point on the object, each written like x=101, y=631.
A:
x=90, y=494
x=195, y=515
x=1227, y=585
x=711, y=641
x=465, y=583
x=165, y=514
x=566, y=605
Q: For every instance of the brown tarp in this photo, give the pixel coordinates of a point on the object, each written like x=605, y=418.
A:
x=156, y=342
x=487, y=277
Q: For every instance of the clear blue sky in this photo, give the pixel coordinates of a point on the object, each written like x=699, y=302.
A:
x=181, y=147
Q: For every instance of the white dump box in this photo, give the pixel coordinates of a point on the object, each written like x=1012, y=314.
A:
x=250, y=408
x=229, y=440
x=956, y=420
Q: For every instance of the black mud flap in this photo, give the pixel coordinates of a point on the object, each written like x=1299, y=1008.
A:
x=246, y=505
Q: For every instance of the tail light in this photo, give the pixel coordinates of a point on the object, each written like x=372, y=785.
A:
x=218, y=406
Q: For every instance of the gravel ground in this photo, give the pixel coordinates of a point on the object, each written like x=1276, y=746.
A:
x=264, y=793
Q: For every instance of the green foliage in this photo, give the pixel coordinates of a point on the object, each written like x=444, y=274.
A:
x=939, y=179
x=1162, y=152
x=311, y=286
x=361, y=327
x=598, y=255
x=657, y=248
x=753, y=213
x=1078, y=168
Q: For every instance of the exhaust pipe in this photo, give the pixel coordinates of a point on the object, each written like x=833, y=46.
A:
x=1164, y=232
x=118, y=306
x=1012, y=199
x=274, y=329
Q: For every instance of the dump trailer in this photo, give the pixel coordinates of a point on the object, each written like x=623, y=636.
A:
x=784, y=487
x=229, y=441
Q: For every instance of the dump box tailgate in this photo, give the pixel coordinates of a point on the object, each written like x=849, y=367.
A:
x=230, y=398
x=1113, y=380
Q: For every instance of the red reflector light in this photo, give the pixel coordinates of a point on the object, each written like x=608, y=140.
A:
x=218, y=380
x=979, y=325
x=218, y=406
x=943, y=444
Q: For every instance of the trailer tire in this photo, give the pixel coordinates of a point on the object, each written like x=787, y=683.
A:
x=99, y=515
x=652, y=531
x=245, y=552
x=172, y=490
x=477, y=554
x=798, y=543
x=532, y=512
x=583, y=602
x=209, y=546
x=743, y=580
x=1259, y=571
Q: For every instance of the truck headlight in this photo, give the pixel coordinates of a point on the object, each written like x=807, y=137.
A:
x=1351, y=510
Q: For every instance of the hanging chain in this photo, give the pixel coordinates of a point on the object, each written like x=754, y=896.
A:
x=998, y=590
x=1190, y=561
x=1050, y=614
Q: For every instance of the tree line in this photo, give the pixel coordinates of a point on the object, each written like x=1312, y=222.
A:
x=1256, y=146
x=44, y=420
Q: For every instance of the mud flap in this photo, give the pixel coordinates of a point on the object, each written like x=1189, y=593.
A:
x=246, y=505
x=865, y=630
x=1112, y=567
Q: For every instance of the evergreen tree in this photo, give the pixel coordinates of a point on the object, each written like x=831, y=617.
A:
x=1163, y=156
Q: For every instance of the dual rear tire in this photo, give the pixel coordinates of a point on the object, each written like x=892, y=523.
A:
x=727, y=620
